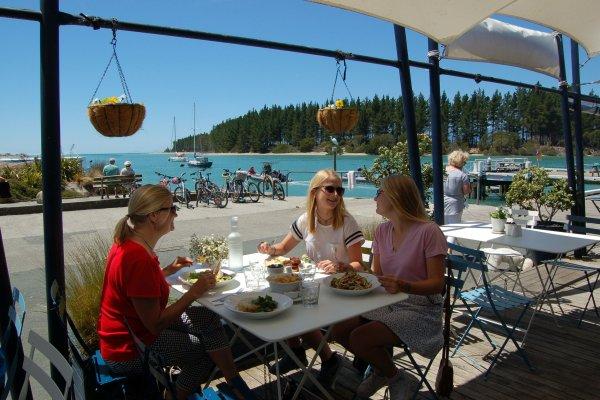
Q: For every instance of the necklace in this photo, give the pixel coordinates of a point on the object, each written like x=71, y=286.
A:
x=323, y=220
x=144, y=240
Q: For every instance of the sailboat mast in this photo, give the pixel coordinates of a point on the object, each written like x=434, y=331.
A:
x=194, y=129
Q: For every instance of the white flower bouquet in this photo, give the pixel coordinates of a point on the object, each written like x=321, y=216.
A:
x=209, y=249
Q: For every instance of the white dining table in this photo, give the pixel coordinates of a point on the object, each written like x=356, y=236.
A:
x=297, y=320
x=556, y=243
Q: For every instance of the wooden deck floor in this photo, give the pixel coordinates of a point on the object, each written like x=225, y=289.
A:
x=566, y=358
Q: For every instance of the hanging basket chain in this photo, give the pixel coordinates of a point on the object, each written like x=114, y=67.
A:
x=342, y=75
x=114, y=56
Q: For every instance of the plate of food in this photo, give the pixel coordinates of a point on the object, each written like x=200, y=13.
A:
x=258, y=305
x=294, y=262
x=224, y=276
x=352, y=283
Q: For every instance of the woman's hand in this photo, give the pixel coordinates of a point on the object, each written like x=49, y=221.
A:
x=328, y=266
x=394, y=285
x=264, y=248
x=205, y=282
x=180, y=262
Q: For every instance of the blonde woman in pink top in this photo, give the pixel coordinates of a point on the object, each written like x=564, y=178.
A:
x=408, y=256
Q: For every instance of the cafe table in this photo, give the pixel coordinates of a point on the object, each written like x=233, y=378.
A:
x=297, y=320
x=555, y=243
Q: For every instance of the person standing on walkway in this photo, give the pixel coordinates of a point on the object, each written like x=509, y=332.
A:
x=110, y=169
x=456, y=187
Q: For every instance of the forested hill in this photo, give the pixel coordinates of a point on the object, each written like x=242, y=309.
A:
x=522, y=120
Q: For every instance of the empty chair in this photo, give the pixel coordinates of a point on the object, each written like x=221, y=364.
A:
x=489, y=298
x=33, y=370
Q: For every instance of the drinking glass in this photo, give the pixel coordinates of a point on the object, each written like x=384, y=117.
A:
x=307, y=271
x=252, y=277
x=310, y=294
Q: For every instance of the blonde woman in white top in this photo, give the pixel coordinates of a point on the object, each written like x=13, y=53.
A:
x=333, y=239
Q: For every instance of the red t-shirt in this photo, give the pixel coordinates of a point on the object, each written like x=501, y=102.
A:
x=130, y=272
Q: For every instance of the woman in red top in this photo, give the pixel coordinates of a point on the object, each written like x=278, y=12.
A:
x=135, y=291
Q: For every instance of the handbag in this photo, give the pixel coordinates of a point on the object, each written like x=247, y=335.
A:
x=444, y=382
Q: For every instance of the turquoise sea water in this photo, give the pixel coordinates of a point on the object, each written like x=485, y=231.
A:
x=302, y=167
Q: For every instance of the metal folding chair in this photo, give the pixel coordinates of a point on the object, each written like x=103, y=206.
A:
x=589, y=271
x=33, y=370
x=489, y=298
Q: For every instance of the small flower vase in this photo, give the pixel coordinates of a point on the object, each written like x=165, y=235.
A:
x=498, y=225
x=213, y=265
x=510, y=228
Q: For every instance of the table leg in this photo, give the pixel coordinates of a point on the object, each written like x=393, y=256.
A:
x=540, y=302
x=307, y=369
x=279, y=395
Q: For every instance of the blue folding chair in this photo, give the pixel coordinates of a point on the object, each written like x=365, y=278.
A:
x=16, y=316
x=489, y=298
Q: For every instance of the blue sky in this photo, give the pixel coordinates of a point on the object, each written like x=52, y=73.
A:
x=169, y=74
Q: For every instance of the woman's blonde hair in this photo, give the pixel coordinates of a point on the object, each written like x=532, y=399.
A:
x=311, y=200
x=405, y=197
x=458, y=158
x=143, y=201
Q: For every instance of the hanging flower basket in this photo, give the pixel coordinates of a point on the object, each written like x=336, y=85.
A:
x=118, y=119
x=337, y=120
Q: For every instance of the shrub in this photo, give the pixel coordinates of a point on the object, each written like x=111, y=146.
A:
x=385, y=140
x=83, y=280
x=504, y=143
x=529, y=190
x=306, y=145
x=283, y=148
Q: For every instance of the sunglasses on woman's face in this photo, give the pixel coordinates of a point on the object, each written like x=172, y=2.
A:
x=337, y=189
x=379, y=192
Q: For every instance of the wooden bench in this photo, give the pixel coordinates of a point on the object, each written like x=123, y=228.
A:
x=124, y=184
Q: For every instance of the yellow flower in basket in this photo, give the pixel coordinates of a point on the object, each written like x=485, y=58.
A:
x=339, y=103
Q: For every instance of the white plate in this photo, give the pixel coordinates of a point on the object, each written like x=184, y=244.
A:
x=182, y=278
x=371, y=278
x=283, y=303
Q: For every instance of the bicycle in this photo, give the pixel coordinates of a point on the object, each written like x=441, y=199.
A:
x=207, y=191
x=270, y=181
x=181, y=193
x=239, y=188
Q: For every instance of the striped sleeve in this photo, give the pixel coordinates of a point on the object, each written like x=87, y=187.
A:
x=352, y=232
x=298, y=227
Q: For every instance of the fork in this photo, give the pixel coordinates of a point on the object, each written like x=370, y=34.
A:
x=222, y=299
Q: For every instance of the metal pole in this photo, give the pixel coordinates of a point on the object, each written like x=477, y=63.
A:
x=579, y=170
x=414, y=160
x=51, y=166
x=335, y=158
x=566, y=124
x=436, y=134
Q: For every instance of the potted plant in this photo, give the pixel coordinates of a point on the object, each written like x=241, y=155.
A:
x=337, y=118
x=533, y=189
x=209, y=250
x=498, y=218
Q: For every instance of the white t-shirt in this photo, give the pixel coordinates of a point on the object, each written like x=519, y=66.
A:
x=327, y=243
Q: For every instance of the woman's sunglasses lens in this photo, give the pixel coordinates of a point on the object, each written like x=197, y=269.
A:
x=330, y=189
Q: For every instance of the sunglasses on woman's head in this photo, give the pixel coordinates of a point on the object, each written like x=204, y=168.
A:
x=337, y=189
x=172, y=209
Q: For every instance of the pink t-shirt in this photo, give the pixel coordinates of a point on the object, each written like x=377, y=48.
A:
x=424, y=240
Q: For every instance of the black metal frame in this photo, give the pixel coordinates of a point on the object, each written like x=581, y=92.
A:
x=51, y=18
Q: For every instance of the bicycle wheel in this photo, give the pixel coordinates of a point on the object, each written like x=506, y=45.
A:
x=182, y=196
x=278, y=191
x=252, y=192
x=219, y=198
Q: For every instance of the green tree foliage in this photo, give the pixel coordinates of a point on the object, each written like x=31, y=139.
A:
x=532, y=189
x=468, y=120
x=394, y=160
